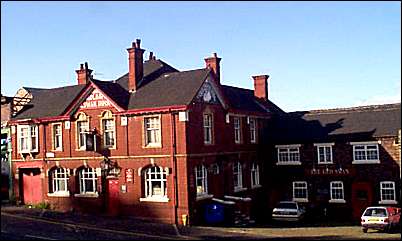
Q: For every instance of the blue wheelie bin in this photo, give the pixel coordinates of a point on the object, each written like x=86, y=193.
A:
x=214, y=213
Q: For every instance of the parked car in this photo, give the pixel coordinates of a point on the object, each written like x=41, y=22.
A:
x=381, y=218
x=288, y=211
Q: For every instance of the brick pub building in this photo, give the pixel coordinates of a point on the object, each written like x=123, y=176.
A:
x=156, y=143
x=337, y=161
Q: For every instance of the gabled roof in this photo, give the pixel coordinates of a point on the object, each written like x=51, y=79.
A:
x=356, y=123
x=175, y=88
x=49, y=102
x=244, y=99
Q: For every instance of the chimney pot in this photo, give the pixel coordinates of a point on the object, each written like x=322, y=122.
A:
x=86, y=65
x=81, y=66
x=138, y=42
x=151, y=55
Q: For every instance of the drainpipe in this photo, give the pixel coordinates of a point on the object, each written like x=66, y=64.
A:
x=174, y=162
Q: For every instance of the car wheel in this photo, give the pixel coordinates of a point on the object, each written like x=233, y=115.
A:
x=364, y=230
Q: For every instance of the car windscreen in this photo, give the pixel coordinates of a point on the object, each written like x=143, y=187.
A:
x=287, y=205
x=375, y=212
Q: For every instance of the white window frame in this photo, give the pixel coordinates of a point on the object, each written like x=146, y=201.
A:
x=207, y=128
x=327, y=160
x=253, y=130
x=383, y=189
x=107, y=116
x=288, y=153
x=154, y=129
x=237, y=129
x=32, y=133
x=57, y=137
x=255, y=175
x=335, y=187
x=148, y=179
x=82, y=128
x=92, y=176
x=201, y=175
x=366, y=150
x=64, y=177
x=305, y=187
x=238, y=177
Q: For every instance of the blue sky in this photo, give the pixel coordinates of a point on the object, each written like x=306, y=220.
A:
x=318, y=54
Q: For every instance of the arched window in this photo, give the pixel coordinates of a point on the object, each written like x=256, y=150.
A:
x=58, y=180
x=82, y=129
x=108, y=128
x=155, y=182
x=88, y=180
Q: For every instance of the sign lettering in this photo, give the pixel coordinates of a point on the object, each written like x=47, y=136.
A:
x=95, y=100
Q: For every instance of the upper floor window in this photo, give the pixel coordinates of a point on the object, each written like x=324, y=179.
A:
x=237, y=129
x=237, y=176
x=288, y=155
x=387, y=190
x=58, y=181
x=88, y=180
x=337, y=192
x=82, y=130
x=57, y=137
x=108, y=127
x=27, y=138
x=155, y=188
x=300, y=191
x=324, y=153
x=255, y=175
x=207, y=123
x=365, y=152
x=253, y=130
x=201, y=180
x=152, y=131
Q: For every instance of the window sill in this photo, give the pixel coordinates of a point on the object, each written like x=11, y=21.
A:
x=154, y=199
x=239, y=189
x=153, y=146
x=59, y=194
x=288, y=163
x=256, y=186
x=301, y=200
x=203, y=197
x=325, y=163
x=366, y=162
x=388, y=202
x=336, y=201
x=89, y=195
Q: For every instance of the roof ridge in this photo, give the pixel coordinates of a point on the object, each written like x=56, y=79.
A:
x=380, y=107
x=234, y=87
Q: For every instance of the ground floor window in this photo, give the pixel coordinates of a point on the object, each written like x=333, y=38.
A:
x=201, y=180
x=88, y=180
x=155, y=184
x=300, y=191
x=337, y=192
x=387, y=190
x=58, y=183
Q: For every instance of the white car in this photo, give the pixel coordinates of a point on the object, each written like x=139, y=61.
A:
x=381, y=218
x=288, y=211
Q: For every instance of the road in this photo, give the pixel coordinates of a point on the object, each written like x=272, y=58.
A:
x=14, y=227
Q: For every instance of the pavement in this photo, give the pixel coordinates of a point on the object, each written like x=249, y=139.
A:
x=121, y=225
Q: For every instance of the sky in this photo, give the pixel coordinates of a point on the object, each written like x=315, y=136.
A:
x=318, y=55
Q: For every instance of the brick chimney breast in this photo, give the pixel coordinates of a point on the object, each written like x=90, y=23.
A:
x=83, y=74
x=214, y=64
x=135, y=65
x=261, y=86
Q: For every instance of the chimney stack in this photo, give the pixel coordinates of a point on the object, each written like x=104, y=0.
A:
x=214, y=64
x=135, y=65
x=261, y=86
x=83, y=74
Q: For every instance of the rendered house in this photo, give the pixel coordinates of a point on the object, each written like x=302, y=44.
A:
x=337, y=161
x=156, y=143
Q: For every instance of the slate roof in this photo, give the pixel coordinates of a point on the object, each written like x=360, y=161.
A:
x=161, y=86
x=243, y=99
x=356, y=123
x=49, y=102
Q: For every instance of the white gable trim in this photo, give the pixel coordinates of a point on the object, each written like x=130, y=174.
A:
x=217, y=91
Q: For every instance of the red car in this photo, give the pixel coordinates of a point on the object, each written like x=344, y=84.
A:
x=381, y=218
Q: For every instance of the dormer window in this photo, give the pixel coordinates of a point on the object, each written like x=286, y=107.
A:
x=27, y=138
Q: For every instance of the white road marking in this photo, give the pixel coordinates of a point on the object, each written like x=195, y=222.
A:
x=39, y=237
